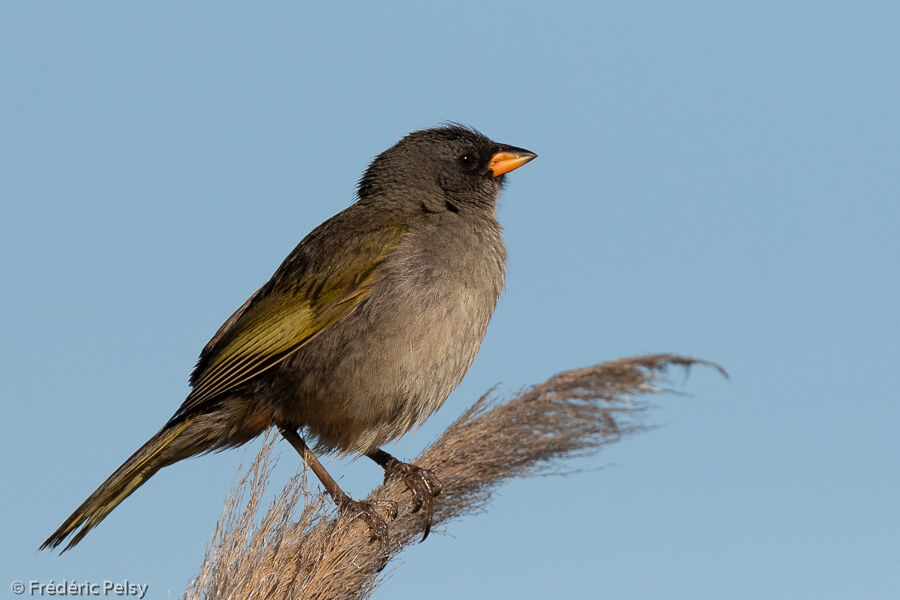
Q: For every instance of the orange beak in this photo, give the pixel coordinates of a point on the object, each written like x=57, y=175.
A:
x=509, y=158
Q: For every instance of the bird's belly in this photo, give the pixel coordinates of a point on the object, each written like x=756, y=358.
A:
x=387, y=366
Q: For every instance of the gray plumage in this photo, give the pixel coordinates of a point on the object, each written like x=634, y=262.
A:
x=365, y=328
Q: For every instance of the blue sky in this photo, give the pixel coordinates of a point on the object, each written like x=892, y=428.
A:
x=714, y=180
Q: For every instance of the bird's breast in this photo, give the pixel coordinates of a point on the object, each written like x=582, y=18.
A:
x=396, y=358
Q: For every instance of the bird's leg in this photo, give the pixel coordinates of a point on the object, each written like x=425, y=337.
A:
x=345, y=503
x=423, y=483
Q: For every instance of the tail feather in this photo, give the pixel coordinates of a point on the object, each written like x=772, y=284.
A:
x=149, y=459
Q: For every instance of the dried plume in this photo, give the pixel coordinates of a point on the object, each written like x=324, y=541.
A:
x=301, y=548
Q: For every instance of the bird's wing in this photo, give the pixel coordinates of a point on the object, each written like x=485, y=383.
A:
x=306, y=295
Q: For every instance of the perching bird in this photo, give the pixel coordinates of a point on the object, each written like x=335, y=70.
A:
x=361, y=333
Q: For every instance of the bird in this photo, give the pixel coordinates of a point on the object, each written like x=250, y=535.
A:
x=360, y=334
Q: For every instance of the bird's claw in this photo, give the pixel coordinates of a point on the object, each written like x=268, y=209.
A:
x=378, y=527
x=423, y=484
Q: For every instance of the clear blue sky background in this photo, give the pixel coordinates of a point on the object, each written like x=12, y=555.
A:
x=714, y=180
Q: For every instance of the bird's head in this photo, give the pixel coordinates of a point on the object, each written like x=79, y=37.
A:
x=451, y=163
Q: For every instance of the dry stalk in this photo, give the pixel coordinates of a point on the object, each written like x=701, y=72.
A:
x=319, y=554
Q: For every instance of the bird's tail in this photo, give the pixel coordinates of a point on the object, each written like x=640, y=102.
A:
x=149, y=459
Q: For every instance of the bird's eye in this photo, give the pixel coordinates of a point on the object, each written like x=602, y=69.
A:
x=468, y=160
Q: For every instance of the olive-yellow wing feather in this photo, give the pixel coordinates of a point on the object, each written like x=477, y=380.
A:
x=299, y=302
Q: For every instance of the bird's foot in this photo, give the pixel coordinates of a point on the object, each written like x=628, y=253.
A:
x=423, y=484
x=378, y=527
